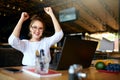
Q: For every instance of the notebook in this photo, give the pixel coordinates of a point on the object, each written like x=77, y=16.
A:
x=75, y=51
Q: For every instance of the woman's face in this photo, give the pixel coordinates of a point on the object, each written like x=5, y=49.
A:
x=36, y=29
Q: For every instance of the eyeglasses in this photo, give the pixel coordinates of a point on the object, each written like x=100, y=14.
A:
x=35, y=28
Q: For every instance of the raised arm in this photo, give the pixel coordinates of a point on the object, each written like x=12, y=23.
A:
x=17, y=29
x=56, y=24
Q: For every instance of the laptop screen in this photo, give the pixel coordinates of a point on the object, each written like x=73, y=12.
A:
x=76, y=51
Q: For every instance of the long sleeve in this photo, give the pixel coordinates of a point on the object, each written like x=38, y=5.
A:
x=16, y=43
x=55, y=38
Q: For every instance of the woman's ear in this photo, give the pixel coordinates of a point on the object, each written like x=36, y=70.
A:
x=30, y=29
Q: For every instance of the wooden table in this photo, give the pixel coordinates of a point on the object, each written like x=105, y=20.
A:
x=92, y=74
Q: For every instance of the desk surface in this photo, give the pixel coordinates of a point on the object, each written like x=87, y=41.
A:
x=92, y=74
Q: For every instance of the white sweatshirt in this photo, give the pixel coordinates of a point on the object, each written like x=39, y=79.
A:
x=29, y=48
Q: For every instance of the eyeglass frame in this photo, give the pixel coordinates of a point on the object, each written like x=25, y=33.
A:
x=35, y=28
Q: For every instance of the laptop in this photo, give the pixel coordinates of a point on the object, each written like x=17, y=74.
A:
x=75, y=51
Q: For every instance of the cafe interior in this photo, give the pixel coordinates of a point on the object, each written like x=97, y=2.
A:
x=84, y=20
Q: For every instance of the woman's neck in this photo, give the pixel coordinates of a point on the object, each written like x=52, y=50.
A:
x=34, y=40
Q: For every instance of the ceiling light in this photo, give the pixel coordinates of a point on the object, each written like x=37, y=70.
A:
x=4, y=14
x=41, y=0
x=19, y=9
x=13, y=7
x=8, y=5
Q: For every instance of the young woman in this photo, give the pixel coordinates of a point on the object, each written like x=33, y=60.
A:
x=37, y=41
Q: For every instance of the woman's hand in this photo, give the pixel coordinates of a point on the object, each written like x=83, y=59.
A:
x=48, y=10
x=24, y=16
x=56, y=24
